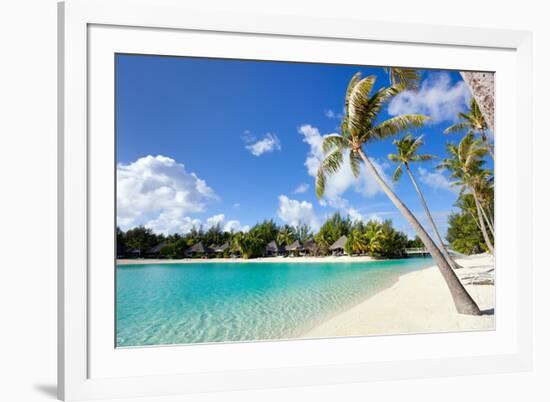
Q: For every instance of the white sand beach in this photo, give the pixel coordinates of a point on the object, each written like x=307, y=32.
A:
x=294, y=260
x=419, y=302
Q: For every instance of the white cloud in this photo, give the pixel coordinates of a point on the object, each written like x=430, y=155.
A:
x=374, y=217
x=159, y=193
x=330, y=114
x=235, y=226
x=227, y=226
x=236, y=205
x=296, y=212
x=343, y=180
x=437, y=98
x=248, y=137
x=172, y=221
x=269, y=143
x=302, y=188
x=215, y=220
x=436, y=180
x=355, y=215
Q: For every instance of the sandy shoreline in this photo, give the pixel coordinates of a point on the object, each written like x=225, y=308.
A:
x=419, y=302
x=293, y=260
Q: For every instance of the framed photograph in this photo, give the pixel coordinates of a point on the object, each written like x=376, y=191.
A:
x=252, y=201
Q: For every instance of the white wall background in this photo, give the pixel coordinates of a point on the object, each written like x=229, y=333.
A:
x=28, y=199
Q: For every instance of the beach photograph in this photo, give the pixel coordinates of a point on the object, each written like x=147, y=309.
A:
x=275, y=200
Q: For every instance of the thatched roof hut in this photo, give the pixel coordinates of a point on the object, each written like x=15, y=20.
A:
x=156, y=249
x=339, y=244
x=221, y=249
x=272, y=248
x=311, y=247
x=198, y=248
x=296, y=246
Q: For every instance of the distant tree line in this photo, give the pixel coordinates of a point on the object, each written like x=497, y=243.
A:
x=378, y=239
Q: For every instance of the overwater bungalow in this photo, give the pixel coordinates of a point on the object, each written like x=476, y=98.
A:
x=311, y=248
x=198, y=249
x=294, y=248
x=337, y=247
x=272, y=249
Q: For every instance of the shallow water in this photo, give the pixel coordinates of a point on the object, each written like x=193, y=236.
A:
x=215, y=302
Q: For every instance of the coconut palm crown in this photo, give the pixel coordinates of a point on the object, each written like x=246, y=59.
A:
x=473, y=122
x=407, y=148
x=359, y=127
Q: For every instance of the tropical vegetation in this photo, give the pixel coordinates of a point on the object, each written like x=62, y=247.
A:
x=361, y=126
x=471, y=225
x=372, y=238
x=407, y=153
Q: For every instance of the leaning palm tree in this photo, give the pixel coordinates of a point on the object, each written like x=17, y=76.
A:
x=360, y=127
x=465, y=163
x=474, y=122
x=407, y=152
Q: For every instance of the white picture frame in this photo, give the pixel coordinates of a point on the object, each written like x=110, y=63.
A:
x=90, y=31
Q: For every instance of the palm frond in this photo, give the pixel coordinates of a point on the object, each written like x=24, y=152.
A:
x=354, y=80
x=457, y=128
x=355, y=162
x=333, y=141
x=398, y=172
x=423, y=158
x=394, y=158
x=404, y=78
x=330, y=165
x=359, y=115
x=320, y=182
x=397, y=124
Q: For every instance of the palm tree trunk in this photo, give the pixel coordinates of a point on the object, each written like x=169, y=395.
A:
x=475, y=219
x=482, y=86
x=487, y=220
x=451, y=262
x=464, y=303
x=482, y=225
x=488, y=145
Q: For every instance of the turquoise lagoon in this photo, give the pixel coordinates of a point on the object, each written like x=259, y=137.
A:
x=160, y=304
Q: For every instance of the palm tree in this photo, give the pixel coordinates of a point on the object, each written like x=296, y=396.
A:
x=473, y=121
x=407, y=149
x=480, y=183
x=286, y=235
x=465, y=163
x=357, y=243
x=467, y=204
x=360, y=127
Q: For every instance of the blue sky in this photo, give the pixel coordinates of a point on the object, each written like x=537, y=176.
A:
x=204, y=141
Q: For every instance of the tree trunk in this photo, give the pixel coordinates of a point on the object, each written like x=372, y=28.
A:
x=487, y=220
x=482, y=86
x=451, y=262
x=464, y=303
x=475, y=219
x=487, y=144
x=482, y=225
